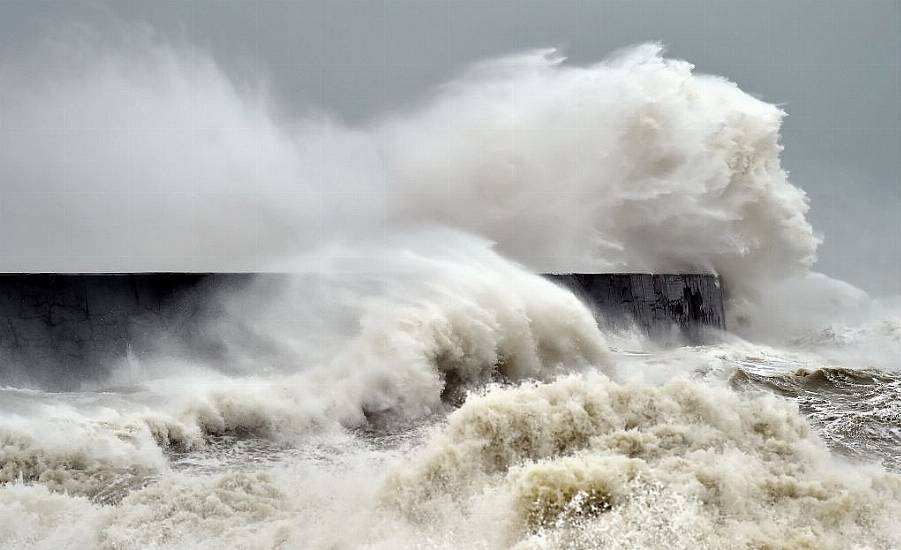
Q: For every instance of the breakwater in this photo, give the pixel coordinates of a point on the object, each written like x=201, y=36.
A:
x=62, y=326
x=670, y=308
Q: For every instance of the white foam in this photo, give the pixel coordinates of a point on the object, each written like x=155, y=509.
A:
x=633, y=163
x=742, y=471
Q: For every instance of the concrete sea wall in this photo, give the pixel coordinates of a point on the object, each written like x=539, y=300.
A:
x=59, y=329
x=670, y=308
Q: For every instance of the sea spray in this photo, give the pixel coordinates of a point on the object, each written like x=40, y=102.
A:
x=452, y=326
x=747, y=467
x=309, y=433
x=633, y=163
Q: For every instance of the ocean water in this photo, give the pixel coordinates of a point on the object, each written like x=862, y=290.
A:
x=727, y=445
x=432, y=392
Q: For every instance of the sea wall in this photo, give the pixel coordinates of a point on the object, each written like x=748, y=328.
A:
x=670, y=308
x=57, y=330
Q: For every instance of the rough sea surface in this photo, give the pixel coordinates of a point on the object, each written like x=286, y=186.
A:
x=720, y=448
x=432, y=392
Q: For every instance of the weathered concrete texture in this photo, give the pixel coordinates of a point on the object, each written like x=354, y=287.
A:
x=57, y=330
x=655, y=303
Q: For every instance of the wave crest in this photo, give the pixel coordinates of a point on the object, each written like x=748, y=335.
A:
x=749, y=466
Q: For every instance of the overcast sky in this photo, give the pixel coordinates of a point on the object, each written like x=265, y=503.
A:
x=833, y=65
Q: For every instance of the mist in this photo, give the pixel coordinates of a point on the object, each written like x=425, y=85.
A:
x=415, y=381
x=140, y=154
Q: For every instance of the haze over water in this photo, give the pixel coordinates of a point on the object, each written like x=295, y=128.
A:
x=431, y=391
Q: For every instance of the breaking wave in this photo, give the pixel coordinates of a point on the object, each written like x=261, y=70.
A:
x=446, y=397
x=633, y=163
x=580, y=462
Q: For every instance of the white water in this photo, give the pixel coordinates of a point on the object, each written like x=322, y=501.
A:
x=340, y=438
x=631, y=164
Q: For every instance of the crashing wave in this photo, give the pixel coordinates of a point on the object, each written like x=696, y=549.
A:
x=747, y=468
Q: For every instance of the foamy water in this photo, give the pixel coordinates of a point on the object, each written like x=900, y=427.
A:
x=706, y=459
x=494, y=416
x=429, y=391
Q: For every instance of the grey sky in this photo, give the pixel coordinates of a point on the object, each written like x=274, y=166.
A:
x=834, y=66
